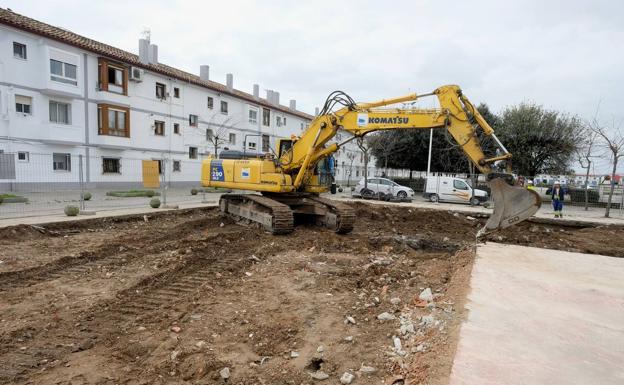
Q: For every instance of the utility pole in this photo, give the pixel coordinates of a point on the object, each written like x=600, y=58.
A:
x=429, y=158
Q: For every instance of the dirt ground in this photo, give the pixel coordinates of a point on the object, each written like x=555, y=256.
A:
x=178, y=297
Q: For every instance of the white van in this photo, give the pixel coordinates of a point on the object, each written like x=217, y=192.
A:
x=451, y=189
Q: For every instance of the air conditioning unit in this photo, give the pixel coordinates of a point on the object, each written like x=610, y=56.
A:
x=136, y=74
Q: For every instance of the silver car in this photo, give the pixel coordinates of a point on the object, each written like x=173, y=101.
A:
x=382, y=188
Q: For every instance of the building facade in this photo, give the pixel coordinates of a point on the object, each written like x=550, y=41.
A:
x=65, y=98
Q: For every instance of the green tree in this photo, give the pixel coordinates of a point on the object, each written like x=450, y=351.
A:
x=541, y=140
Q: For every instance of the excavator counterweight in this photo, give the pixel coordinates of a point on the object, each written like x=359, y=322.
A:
x=291, y=180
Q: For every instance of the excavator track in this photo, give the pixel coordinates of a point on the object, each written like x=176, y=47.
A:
x=272, y=215
x=345, y=215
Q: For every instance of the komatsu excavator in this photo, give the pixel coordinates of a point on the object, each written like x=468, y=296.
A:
x=290, y=181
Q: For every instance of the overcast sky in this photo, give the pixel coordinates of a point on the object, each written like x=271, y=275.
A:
x=562, y=54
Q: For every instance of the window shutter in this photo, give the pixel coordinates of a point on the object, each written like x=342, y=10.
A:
x=23, y=99
x=103, y=77
x=103, y=111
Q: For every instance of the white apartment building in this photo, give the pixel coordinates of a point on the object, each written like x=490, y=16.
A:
x=65, y=98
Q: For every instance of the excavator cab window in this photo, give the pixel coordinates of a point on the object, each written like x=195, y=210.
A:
x=284, y=146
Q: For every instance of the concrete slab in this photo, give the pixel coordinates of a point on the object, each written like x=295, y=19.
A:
x=542, y=317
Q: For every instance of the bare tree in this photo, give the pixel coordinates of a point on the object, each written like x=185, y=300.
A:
x=351, y=157
x=364, y=147
x=585, y=159
x=217, y=134
x=613, y=143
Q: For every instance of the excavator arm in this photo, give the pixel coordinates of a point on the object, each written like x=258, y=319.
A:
x=456, y=114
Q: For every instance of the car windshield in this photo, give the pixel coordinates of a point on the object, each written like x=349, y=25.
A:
x=469, y=182
x=395, y=183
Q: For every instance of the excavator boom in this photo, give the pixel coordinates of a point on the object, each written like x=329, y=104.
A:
x=291, y=178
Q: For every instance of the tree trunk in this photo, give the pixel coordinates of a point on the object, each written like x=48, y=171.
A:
x=615, y=162
x=586, y=184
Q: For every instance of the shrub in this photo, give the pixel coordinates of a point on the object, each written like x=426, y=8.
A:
x=71, y=211
x=194, y=191
x=86, y=195
x=339, y=189
x=149, y=193
x=1, y=199
x=155, y=203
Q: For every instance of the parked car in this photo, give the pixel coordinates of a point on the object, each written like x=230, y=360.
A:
x=451, y=189
x=382, y=188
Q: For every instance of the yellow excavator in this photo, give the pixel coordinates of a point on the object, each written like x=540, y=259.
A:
x=290, y=181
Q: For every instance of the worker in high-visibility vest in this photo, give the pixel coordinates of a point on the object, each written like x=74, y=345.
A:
x=557, y=199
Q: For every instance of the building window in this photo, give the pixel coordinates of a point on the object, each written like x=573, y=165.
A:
x=301, y=127
x=193, y=120
x=111, y=165
x=224, y=107
x=192, y=152
x=278, y=121
x=176, y=128
x=61, y=162
x=265, y=143
x=266, y=117
x=63, y=72
x=23, y=104
x=176, y=92
x=210, y=102
x=177, y=166
x=251, y=146
x=253, y=116
x=232, y=138
x=113, y=120
x=19, y=50
x=209, y=134
x=113, y=77
x=23, y=156
x=160, y=91
x=60, y=112
x=159, y=128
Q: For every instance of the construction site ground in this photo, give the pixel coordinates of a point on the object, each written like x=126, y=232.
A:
x=191, y=297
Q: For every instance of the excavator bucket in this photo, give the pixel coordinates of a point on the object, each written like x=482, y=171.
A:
x=511, y=205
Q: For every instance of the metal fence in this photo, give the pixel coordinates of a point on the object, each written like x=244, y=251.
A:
x=577, y=199
x=35, y=184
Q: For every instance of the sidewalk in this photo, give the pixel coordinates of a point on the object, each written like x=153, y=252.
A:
x=594, y=216
x=60, y=217
x=541, y=316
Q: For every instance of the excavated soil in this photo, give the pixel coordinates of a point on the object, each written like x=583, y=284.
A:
x=178, y=297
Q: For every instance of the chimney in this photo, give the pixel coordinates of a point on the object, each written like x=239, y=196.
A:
x=293, y=104
x=276, y=96
x=152, y=56
x=204, y=72
x=143, y=51
x=256, y=91
x=269, y=96
x=229, y=81
x=316, y=111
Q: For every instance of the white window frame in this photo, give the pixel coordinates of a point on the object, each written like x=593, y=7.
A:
x=196, y=153
x=210, y=102
x=278, y=121
x=63, y=78
x=193, y=120
x=254, y=120
x=26, y=156
x=24, y=49
x=252, y=146
x=232, y=135
x=57, y=104
x=173, y=165
x=22, y=104
x=67, y=162
x=113, y=86
x=227, y=107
